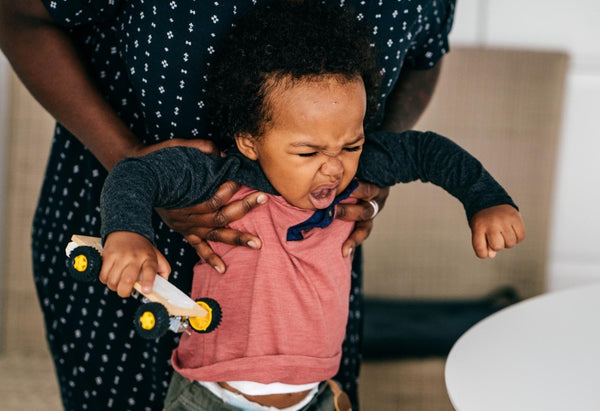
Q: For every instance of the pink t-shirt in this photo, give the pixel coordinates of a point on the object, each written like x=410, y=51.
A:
x=284, y=307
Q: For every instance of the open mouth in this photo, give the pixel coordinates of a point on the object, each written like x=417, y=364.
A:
x=323, y=196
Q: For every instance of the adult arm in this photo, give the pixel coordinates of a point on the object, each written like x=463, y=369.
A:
x=410, y=97
x=45, y=59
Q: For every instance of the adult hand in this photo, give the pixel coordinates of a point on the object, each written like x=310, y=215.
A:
x=371, y=201
x=207, y=221
x=496, y=228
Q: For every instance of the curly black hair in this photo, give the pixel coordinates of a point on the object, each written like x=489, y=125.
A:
x=284, y=40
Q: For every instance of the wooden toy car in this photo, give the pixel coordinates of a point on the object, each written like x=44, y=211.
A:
x=165, y=307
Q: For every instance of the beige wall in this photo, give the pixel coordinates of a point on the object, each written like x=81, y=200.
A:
x=27, y=147
x=573, y=257
x=504, y=107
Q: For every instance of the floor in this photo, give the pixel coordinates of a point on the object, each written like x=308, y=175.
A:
x=28, y=383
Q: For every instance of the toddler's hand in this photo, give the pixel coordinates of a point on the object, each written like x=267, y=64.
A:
x=128, y=257
x=496, y=228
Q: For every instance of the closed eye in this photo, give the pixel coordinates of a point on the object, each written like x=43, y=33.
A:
x=352, y=149
x=308, y=154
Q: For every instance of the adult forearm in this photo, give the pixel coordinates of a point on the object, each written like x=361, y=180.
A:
x=47, y=63
x=409, y=98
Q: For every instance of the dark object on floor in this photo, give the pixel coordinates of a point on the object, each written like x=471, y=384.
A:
x=408, y=328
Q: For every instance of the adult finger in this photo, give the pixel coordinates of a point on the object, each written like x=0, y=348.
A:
x=219, y=199
x=206, y=253
x=197, y=220
x=366, y=191
x=203, y=214
x=235, y=210
x=361, y=211
x=233, y=237
x=361, y=232
x=364, y=209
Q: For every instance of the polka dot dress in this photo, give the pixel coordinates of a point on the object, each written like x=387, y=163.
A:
x=148, y=58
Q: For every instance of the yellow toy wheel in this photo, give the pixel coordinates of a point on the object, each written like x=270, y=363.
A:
x=212, y=319
x=151, y=320
x=84, y=263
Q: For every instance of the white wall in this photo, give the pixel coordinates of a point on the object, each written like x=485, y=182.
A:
x=573, y=26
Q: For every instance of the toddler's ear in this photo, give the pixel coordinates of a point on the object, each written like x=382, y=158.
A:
x=247, y=145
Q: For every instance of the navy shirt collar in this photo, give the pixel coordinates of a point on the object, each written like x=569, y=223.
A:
x=322, y=217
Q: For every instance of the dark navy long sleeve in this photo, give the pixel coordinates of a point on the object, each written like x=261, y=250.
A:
x=174, y=177
x=180, y=176
x=391, y=158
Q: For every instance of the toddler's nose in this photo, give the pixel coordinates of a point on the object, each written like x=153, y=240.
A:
x=333, y=168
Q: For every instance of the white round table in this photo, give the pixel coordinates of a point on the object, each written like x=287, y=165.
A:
x=541, y=354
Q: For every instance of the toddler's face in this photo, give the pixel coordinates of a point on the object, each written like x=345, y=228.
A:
x=311, y=147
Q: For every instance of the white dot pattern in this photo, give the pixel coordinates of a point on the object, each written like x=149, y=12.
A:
x=148, y=58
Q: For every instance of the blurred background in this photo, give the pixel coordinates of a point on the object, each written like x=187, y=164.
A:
x=520, y=90
x=571, y=28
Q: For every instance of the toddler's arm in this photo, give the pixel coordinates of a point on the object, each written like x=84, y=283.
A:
x=128, y=257
x=391, y=158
